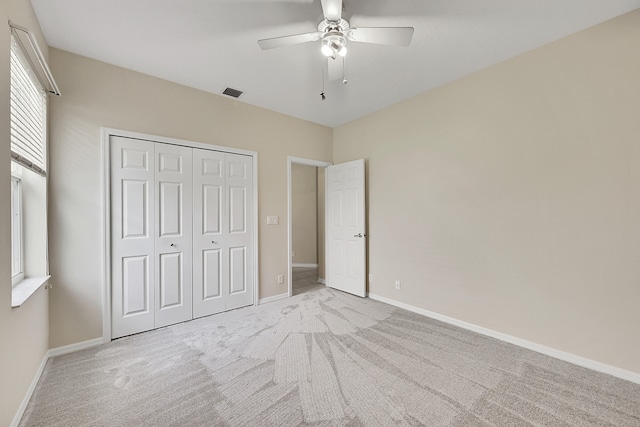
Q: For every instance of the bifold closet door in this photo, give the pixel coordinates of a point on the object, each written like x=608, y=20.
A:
x=223, y=273
x=209, y=241
x=182, y=232
x=132, y=236
x=151, y=235
x=238, y=224
x=173, y=242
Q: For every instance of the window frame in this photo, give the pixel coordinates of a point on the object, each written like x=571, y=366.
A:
x=17, y=233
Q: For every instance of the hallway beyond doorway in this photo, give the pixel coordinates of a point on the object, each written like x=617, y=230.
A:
x=305, y=279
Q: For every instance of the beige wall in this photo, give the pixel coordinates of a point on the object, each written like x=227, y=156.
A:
x=23, y=331
x=304, y=214
x=510, y=199
x=96, y=94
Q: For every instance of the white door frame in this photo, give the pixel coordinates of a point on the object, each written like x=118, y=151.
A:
x=106, y=134
x=306, y=162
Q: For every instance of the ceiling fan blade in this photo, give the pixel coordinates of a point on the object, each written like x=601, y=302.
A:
x=394, y=36
x=288, y=40
x=335, y=69
x=332, y=9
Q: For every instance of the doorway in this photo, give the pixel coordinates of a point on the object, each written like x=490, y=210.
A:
x=306, y=213
x=344, y=263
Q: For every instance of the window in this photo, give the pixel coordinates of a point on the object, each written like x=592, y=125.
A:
x=28, y=113
x=28, y=141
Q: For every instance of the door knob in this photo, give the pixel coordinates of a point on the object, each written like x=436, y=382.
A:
x=213, y=241
x=360, y=235
x=172, y=244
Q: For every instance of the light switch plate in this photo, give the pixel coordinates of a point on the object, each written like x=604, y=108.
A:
x=272, y=220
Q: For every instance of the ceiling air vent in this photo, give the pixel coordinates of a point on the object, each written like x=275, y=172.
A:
x=232, y=92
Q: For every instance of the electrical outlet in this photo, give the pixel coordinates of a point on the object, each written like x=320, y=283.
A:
x=293, y=253
x=371, y=278
x=280, y=279
x=272, y=220
x=397, y=285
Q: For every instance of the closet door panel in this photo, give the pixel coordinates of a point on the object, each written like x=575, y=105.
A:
x=132, y=238
x=135, y=285
x=171, y=280
x=211, y=209
x=173, y=248
x=238, y=225
x=135, y=209
x=208, y=238
x=211, y=274
x=237, y=209
x=237, y=271
x=171, y=206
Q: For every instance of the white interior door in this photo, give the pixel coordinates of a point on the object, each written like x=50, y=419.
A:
x=345, y=228
x=238, y=225
x=209, y=241
x=173, y=243
x=132, y=236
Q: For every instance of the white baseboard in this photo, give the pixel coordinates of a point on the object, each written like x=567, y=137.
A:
x=298, y=264
x=273, y=298
x=558, y=354
x=58, y=351
x=27, y=396
x=321, y=280
x=66, y=349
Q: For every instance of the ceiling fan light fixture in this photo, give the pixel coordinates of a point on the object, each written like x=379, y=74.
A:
x=326, y=48
x=334, y=44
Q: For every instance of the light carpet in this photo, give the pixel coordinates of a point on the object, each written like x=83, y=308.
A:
x=323, y=358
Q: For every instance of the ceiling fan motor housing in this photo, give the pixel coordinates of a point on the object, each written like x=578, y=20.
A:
x=326, y=26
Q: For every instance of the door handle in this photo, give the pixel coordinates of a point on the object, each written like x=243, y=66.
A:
x=173, y=244
x=360, y=235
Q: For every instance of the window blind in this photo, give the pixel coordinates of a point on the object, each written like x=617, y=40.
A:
x=28, y=115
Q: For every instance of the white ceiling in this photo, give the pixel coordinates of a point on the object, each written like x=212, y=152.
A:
x=211, y=44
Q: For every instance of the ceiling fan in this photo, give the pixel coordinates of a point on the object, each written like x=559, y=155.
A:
x=334, y=32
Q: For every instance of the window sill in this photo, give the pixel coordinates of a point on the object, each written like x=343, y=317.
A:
x=25, y=288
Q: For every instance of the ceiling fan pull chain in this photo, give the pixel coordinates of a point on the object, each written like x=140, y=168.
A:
x=322, y=93
x=344, y=67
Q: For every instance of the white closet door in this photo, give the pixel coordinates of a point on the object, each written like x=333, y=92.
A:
x=209, y=241
x=132, y=231
x=173, y=243
x=182, y=233
x=238, y=277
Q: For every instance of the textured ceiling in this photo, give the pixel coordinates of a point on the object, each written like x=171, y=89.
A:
x=211, y=44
